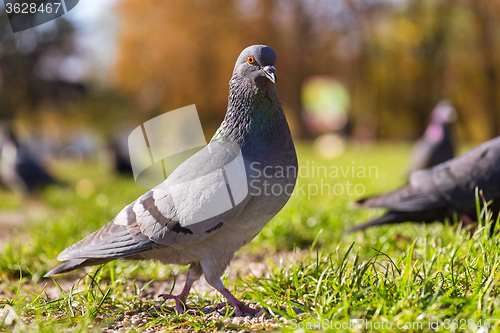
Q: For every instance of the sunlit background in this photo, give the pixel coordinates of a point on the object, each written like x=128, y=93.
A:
x=358, y=80
x=354, y=67
x=72, y=89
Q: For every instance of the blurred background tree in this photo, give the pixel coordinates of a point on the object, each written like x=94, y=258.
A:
x=31, y=67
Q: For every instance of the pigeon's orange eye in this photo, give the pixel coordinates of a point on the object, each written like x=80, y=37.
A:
x=250, y=60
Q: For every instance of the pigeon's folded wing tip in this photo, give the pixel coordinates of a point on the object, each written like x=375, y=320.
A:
x=66, y=267
x=50, y=274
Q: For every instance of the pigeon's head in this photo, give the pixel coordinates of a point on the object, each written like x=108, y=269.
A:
x=256, y=62
x=444, y=113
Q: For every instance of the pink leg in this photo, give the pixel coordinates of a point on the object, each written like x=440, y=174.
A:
x=213, y=272
x=194, y=274
x=467, y=221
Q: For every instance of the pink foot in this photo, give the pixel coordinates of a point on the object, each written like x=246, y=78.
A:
x=180, y=302
x=467, y=221
x=240, y=307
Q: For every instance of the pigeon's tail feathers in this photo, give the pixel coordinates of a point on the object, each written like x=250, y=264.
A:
x=109, y=243
x=74, y=264
x=389, y=218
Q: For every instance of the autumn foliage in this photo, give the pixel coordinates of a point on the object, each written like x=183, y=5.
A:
x=397, y=58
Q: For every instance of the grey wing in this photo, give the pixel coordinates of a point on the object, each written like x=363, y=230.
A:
x=192, y=207
x=480, y=167
x=112, y=241
x=142, y=226
x=450, y=184
x=405, y=199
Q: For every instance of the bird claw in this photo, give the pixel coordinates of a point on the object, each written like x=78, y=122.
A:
x=180, y=302
x=221, y=305
x=240, y=308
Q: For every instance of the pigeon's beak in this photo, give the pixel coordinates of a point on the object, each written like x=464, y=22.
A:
x=270, y=73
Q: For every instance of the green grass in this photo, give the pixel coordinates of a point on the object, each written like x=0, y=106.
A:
x=394, y=275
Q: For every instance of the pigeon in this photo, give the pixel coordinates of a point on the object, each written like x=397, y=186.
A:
x=438, y=193
x=19, y=169
x=250, y=161
x=436, y=146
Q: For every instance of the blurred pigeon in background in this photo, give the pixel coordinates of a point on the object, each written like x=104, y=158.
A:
x=20, y=170
x=119, y=154
x=172, y=224
x=436, y=194
x=436, y=145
